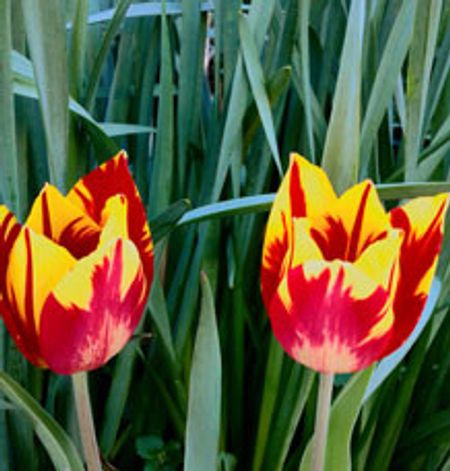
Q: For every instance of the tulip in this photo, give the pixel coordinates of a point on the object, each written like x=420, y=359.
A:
x=75, y=277
x=344, y=282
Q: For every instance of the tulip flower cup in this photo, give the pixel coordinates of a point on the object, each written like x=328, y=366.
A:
x=343, y=281
x=74, y=278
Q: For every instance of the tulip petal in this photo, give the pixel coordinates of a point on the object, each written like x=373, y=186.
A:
x=331, y=316
x=27, y=289
x=111, y=178
x=9, y=231
x=94, y=309
x=380, y=260
x=304, y=192
x=303, y=246
x=422, y=221
x=344, y=230
x=115, y=215
x=57, y=218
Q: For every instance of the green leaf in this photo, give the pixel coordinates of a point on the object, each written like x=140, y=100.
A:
x=162, y=174
x=113, y=27
x=271, y=388
x=162, y=224
x=78, y=49
x=47, y=40
x=9, y=183
x=260, y=16
x=386, y=78
x=203, y=419
x=117, y=397
x=255, y=76
x=256, y=204
x=138, y=10
x=247, y=204
x=121, y=129
x=344, y=413
x=295, y=395
x=420, y=64
x=305, y=76
x=189, y=89
x=341, y=152
x=160, y=316
x=276, y=87
x=387, y=365
x=58, y=445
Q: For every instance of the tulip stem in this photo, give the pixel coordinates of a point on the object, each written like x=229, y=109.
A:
x=86, y=422
x=322, y=421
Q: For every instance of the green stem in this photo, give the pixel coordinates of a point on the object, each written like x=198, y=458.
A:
x=322, y=421
x=86, y=422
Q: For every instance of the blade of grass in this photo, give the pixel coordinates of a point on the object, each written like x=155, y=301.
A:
x=203, y=421
x=113, y=27
x=341, y=152
x=388, y=364
x=78, y=49
x=418, y=80
x=386, y=79
x=162, y=173
x=9, y=183
x=46, y=40
x=260, y=15
x=191, y=45
x=255, y=77
x=344, y=413
x=58, y=445
x=292, y=404
x=255, y=204
x=305, y=77
x=271, y=388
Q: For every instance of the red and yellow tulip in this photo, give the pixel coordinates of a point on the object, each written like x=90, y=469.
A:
x=344, y=282
x=75, y=277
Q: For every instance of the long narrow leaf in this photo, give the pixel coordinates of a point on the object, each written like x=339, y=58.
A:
x=46, y=39
x=341, y=153
x=203, y=422
x=58, y=445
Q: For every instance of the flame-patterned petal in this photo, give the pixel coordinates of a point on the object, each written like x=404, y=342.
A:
x=54, y=216
x=94, y=309
x=343, y=281
x=422, y=221
x=331, y=316
x=346, y=228
x=111, y=178
x=304, y=192
x=26, y=289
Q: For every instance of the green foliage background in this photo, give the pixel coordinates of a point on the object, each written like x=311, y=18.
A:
x=209, y=98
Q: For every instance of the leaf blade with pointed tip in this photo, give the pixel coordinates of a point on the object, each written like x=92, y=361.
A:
x=203, y=419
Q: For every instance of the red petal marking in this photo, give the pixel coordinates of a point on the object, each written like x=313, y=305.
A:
x=23, y=330
x=343, y=232
x=332, y=239
x=47, y=225
x=323, y=323
x=357, y=227
x=112, y=178
x=63, y=222
x=305, y=191
x=9, y=231
x=273, y=256
x=418, y=256
x=80, y=338
x=296, y=193
x=79, y=240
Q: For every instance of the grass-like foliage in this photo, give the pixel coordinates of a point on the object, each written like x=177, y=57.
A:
x=209, y=98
